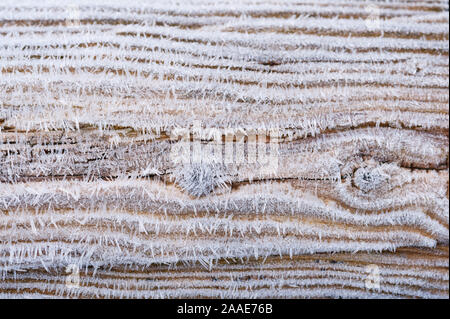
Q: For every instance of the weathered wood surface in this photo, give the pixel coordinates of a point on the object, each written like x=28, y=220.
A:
x=92, y=100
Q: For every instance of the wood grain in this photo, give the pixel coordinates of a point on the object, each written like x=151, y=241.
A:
x=352, y=100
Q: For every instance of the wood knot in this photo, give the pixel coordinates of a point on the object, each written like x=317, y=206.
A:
x=200, y=179
x=368, y=179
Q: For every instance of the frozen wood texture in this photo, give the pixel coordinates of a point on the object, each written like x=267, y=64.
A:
x=350, y=96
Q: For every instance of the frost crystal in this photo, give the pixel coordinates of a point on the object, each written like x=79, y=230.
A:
x=201, y=179
x=337, y=113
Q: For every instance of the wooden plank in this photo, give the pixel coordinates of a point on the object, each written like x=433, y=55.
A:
x=262, y=139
